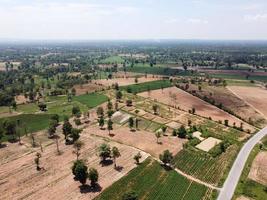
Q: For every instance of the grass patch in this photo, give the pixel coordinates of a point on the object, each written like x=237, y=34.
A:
x=152, y=85
x=32, y=122
x=91, y=100
x=151, y=181
x=112, y=59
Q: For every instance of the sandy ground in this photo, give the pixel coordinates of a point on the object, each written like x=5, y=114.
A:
x=175, y=96
x=258, y=171
x=140, y=139
x=20, y=180
x=3, y=65
x=89, y=87
x=208, y=144
x=20, y=99
x=243, y=198
x=124, y=81
x=254, y=96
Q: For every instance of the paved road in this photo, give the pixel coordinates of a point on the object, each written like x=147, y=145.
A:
x=232, y=180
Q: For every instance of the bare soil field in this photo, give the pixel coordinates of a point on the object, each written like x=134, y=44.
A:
x=231, y=102
x=3, y=65
x=254, y=96
x=258, y=170
x=176, y=97
x=20, y=180
x=124, y=81
x=87, y=88
x=208, y=144
x=141, y=139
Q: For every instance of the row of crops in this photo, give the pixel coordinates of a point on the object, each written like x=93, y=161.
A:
x=151, y=181
x=204, y=166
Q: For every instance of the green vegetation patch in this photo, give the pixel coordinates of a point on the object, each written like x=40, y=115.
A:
x=152, y=85
x=203, y=166
x=112, y=59
x=32, y=122
x=151, y=181
x=91, y=100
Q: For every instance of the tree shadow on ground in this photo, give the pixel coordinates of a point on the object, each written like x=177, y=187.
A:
x=119, y=168
x=106, y=162
x=166, y=167
x=87, y=188
x=3, y=146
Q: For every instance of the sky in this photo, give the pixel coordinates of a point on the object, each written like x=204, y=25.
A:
x=133, y=19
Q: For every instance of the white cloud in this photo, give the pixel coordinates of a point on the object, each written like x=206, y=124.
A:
x=171, y=21
x=197, y=21
x=256, y=18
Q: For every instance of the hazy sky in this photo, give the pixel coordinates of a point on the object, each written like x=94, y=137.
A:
x=133, y=19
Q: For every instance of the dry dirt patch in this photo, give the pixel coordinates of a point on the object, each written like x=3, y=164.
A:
x=258, y=171
x=208, y=144
x=176, y=97
x=87, y=88
x=143, y=140
x=124, y=81
x=20, y=99
x=20, y=180
x=254, y=96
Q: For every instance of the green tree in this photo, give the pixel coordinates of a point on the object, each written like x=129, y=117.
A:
x=104, y=152
x=67, y=127
x=75, y=134
x=131, y=123
x=118, y=95
x=101, y=122
x=76, y=111
x=93, y=176
x=1, y=135
x=81, y=172
x=110, y=126
x=182, y=132
x=166, y=157
x=109, y=105
x=77, y=148
x=115, y=154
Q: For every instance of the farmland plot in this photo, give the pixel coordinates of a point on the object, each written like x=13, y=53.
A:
x=152, y=181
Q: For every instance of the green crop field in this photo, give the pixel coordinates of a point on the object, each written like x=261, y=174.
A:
x=112, y=59
x=203, y=166
x=151, y=181
x=91, y=100
x=32, y=122
x=153, y=85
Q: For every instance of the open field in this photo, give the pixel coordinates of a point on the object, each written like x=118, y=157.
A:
x=176, y=97
x=91, y=100
x=205, y=167
x=148, y=86
x=254, y=96
x=221, y=96
x=258, y=171
x=124, y=81
x=20, y=180
x=152, y=181
x=208, y=144
x=143, y=140
x=87, y=88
